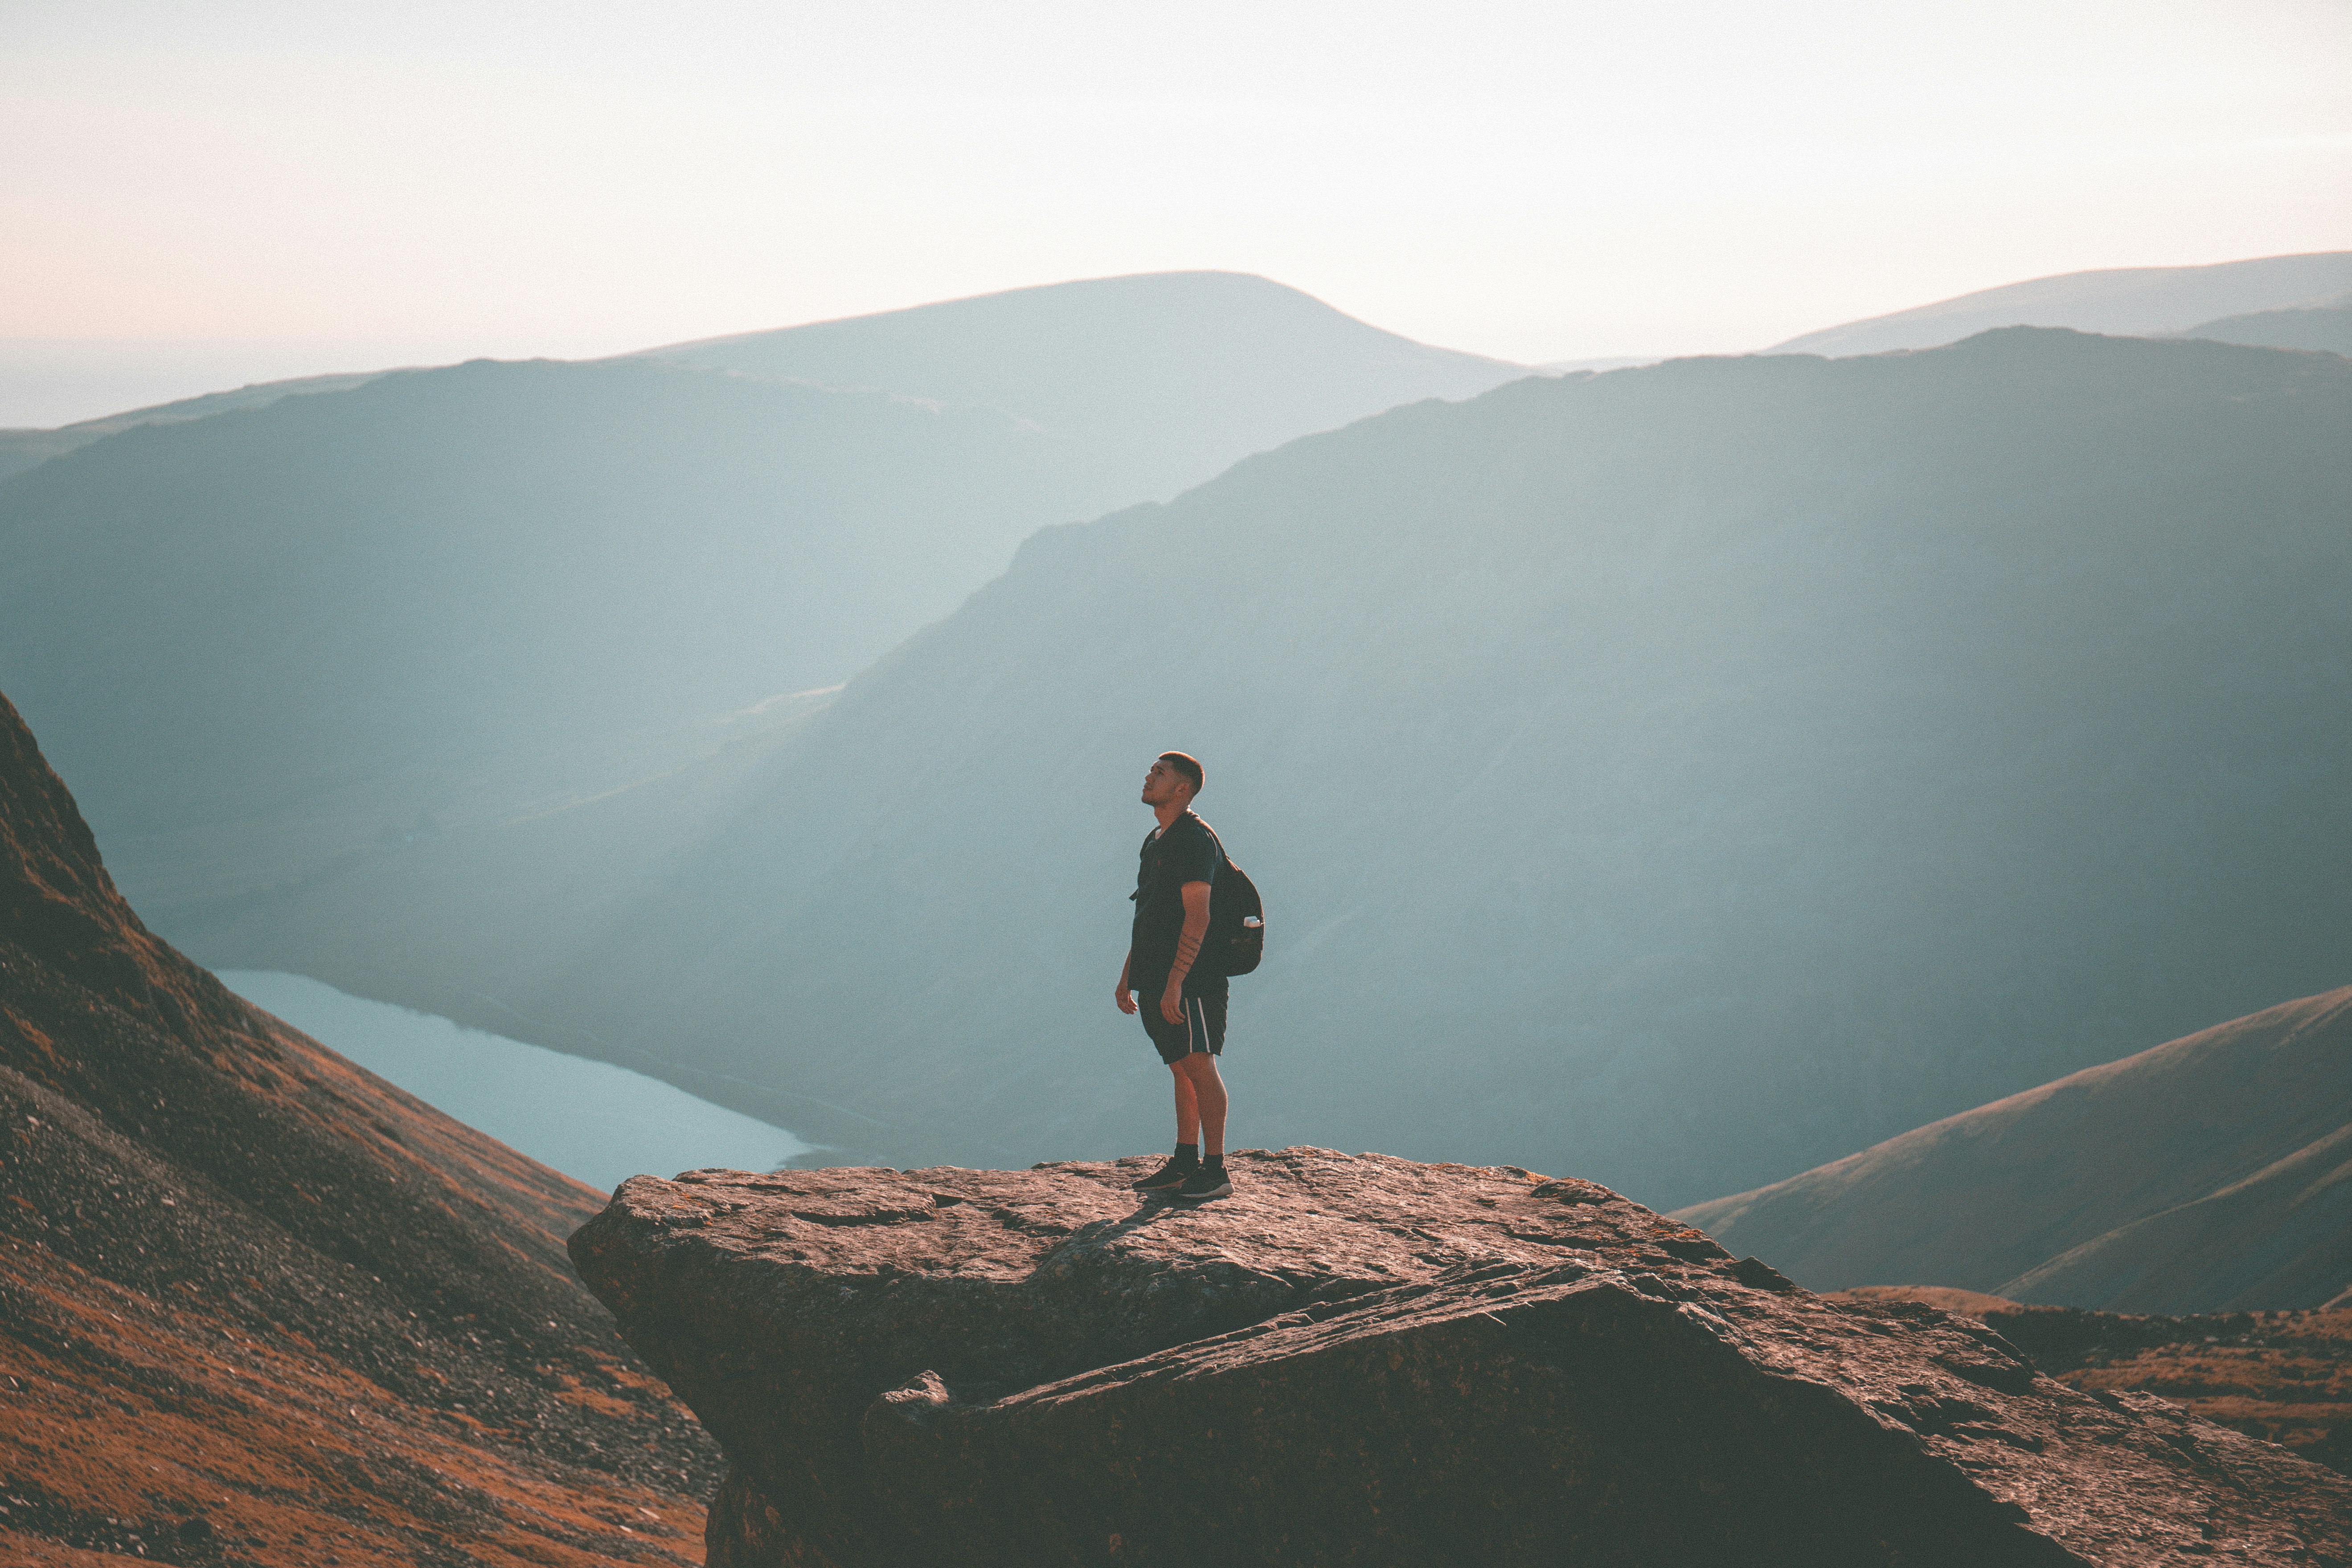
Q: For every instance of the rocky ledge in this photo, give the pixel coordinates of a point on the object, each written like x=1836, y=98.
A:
x=1363, y=1360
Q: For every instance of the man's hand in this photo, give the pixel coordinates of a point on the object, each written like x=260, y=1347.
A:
x=1126, y=998
x=1172, y=1001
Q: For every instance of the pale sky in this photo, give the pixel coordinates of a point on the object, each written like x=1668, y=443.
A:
x=319, y=187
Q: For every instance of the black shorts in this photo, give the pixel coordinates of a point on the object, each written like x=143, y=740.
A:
x=1203, y=1030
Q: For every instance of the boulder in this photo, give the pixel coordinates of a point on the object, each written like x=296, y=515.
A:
x=1366, y=1359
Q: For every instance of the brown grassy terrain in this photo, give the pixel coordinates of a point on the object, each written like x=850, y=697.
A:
x=152, y=1428
x=2284, y=1377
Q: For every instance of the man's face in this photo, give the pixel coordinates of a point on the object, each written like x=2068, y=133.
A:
x=1163, y=786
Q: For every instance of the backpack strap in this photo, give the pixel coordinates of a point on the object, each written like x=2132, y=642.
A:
x=1213, y=837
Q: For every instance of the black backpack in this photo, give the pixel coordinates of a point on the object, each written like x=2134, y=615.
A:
x=1236, y=937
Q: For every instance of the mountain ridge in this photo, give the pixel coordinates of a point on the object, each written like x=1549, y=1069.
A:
x=2327, y=327
x=2210, y=1174
x=27, y=448
x=2128, y=301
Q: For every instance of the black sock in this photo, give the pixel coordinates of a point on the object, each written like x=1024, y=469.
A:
x=1214, y=1163
x=1188, y=1154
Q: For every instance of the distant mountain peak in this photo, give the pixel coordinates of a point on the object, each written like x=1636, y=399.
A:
x=1094, y=353
x=1119, y=293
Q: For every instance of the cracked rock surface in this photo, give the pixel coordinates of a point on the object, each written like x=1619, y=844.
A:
x=1364, y=1360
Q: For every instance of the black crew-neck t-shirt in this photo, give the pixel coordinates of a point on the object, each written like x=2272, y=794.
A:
x=1184, y=851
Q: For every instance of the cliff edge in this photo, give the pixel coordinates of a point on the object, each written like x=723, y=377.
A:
x=1364, y=1360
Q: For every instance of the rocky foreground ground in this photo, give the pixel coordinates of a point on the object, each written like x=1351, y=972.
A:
x=1363, y=1360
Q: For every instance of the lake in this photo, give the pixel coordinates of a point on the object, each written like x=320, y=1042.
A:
x=590, y=1120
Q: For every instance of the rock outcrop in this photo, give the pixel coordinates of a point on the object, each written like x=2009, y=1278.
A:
x=258, y=1307
x=1363, y=1360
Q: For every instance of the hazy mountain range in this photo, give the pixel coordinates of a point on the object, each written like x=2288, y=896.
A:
x=1063, y=355
x=1151, y=382
x=1677, y=776
x=2213, y=1174
x=2258, y=301
x=277, y=638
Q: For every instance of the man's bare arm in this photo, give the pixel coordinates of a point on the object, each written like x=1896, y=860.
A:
x=1126, y=965
x=1188, y=948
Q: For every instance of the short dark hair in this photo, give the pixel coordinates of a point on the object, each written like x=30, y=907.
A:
x=1188, y=766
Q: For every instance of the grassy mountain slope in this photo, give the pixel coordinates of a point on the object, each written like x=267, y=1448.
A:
x=258, y=1306
x=1162, y=378
x=1676, y=776
x=2133, y=301
x=2213, y=1174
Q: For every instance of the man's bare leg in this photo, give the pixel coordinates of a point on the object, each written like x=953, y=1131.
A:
x=1188, y=1107
x=1199, y=1103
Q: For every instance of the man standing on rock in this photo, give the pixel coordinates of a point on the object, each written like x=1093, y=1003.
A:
x=1183, y=1012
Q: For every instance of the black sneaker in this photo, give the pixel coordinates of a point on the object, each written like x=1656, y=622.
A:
x=1206, y=1182
x=1169, y=1175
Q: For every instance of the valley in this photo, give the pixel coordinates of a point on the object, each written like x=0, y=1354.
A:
x=1682, y=774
